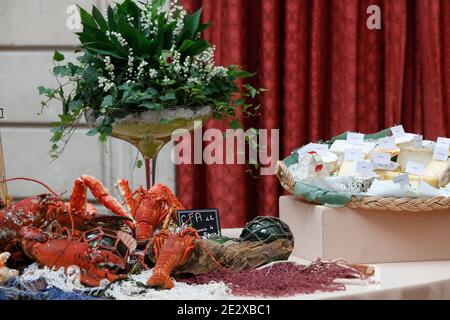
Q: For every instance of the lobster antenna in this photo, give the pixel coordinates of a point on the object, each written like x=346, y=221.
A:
x=32, y=180
x=72, y=224
x=209, y=253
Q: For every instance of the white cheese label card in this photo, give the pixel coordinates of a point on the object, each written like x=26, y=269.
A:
x=320, y=149
x=353, y=154
x=440, y=154
x=443, y=143
x=364, y=167
x=416, y=168
x=381, y=158
x=387, y=143
x=417, y=141
x=398, y=131
x=355, y=138
x=402, y=180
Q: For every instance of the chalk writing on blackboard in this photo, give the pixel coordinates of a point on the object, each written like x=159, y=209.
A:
x=205, y=221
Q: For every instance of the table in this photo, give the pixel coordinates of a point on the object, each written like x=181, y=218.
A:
x=411, y=280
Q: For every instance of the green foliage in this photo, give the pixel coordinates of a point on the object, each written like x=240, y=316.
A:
x=139, y=58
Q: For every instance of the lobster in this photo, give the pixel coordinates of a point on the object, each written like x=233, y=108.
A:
x=172, y=250
x=150, y=208
x=27, y=224
x=98, y=254
x=42, y=210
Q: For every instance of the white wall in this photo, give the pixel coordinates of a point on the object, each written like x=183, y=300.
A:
x=29, y=33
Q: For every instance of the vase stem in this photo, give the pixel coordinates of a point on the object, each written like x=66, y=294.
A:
x=150, y=172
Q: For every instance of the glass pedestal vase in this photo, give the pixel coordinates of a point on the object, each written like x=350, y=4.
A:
x=149, y=131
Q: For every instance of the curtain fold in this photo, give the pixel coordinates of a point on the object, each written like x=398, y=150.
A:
x=326, y=73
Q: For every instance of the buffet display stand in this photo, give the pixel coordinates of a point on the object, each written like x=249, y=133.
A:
x=366, y=236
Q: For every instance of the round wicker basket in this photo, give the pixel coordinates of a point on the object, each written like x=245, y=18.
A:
x=373, y=203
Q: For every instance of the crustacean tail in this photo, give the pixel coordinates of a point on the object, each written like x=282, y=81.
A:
x=160, y=279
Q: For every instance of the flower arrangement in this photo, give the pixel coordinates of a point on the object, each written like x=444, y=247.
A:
x=141, y=57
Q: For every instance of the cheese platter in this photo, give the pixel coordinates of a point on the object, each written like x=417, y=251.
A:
x=388, y=170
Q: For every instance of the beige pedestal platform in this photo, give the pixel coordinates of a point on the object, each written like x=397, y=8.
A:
x=366, y=236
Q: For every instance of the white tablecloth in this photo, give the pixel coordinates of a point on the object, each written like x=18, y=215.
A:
x=411, y=280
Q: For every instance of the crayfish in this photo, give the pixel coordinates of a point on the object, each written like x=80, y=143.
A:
x=58, y=234
x=172, y=250
x=97, y=254
x=43, y=210
x=151, y=209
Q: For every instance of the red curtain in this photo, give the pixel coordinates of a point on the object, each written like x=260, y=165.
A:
x=326, y=73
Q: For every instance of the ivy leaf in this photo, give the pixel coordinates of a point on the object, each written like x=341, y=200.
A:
x=66, y=119
x=108, y=101
x=91, y=75
x=54, y=151
x=107, y=121
x=92, y=132
x=168, y=96
x=252, y=91
x=76, y=104
x=148, y=94
x=62, y=71
x=56, y=137
x=57, y=128
x=47, y=91
x=58, y=57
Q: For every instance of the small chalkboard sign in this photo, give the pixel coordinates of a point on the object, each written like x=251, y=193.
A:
x=205, y=221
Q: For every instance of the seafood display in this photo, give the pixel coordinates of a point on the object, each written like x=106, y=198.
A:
x=117, y=239
x=74, y=235
x=46, y=210
x=97, y=254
